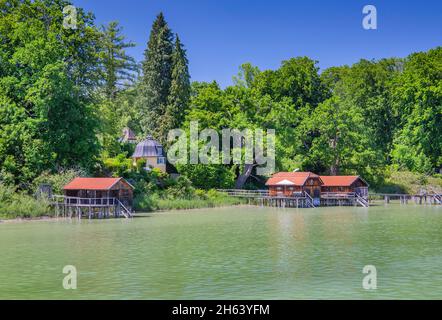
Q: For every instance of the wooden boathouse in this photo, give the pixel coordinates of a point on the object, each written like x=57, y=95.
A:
x=322, y=190
x=95, y=198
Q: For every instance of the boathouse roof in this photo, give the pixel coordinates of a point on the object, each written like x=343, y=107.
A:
x=340, y=181
x=290, y=178
x=300, y=178
x=148, y=148
x=94, y=183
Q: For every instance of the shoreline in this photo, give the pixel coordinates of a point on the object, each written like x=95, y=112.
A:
x=140, y=214
x=145, y=214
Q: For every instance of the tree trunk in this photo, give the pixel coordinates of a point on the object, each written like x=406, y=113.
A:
x=242, y=179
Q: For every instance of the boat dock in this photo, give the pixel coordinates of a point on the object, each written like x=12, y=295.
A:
x=327, y=199
x=89, y=207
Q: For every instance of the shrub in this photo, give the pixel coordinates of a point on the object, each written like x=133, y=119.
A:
x=57, y=180
x=208, y=176
x=15, y=204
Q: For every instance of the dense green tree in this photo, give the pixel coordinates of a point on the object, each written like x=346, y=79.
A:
x=119, y=68
x=178, y=100
x=340, y=146
x=418, y=99
x=156, y=79
x=119, y=71
x=48, y=76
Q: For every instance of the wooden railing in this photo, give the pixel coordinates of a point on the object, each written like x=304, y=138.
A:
x=245, y=193
x=309, y=200
x=362, y=201
x=337, y=195
x=85, y=201
x=67, y=201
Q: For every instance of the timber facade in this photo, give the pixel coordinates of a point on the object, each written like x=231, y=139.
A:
x=322, y=190
x=96, y=197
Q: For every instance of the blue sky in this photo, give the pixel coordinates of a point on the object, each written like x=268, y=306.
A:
x=219, y=35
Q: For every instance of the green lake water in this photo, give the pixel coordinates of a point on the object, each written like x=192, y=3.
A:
x=229, y=253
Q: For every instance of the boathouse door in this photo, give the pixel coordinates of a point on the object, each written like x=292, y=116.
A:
x=317, y=196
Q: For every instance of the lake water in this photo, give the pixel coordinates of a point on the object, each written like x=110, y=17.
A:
x=229, y=253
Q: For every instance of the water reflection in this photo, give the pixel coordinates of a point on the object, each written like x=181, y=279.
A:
x=229, y=253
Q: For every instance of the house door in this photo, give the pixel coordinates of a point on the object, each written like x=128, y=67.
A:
x=317, y=193
x=317, y=196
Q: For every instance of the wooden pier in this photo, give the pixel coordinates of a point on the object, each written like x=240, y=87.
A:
x=89, y=207
x=430, y=199
x=327, y=199
x=300, y=200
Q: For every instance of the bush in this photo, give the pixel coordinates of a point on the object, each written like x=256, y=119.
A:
x=409, y=182
x=200, y=199
x=57, y=180
x=145, y=202
x=208, y=176
x=15, y=204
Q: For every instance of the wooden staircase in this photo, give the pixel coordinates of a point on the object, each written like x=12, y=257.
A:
x=123, y=210
x=309, y=200
x=437, y=196
x=361, y=201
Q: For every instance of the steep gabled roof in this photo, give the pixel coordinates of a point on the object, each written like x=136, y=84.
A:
x=340, y=181
x=93, y=183
x=290, y=178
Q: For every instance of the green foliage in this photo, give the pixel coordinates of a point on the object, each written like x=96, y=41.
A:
x=15, y=204
x=418, y=95
x=118, y=94
x=46, y=81
x=119, y=166
x=119, y=68
x=409, y=182
x=164, y=88
x=156, y=80
x=201, y=199
x=66, y=95
x=181, y=188
x=57, y=180
x=209, y=176
x=179, y=89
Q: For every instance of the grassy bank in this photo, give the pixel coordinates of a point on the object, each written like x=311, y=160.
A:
x=201, y=199
x=410, y=182
x=15, y=204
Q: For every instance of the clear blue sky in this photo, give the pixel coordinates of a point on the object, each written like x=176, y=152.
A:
x=219, y=35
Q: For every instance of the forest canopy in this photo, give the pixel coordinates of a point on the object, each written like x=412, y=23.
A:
x=66, y=95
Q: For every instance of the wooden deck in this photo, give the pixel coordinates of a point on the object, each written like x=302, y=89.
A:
x=89, y=207
x=303, y=200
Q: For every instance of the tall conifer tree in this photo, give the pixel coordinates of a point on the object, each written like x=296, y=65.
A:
x=156, y=81
x=180, y=87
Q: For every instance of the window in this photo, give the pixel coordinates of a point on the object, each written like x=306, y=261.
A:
x=161, y=160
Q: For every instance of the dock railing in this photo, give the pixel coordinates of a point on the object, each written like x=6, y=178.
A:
x=337, y=195
x=77, y=201
x=245, y=193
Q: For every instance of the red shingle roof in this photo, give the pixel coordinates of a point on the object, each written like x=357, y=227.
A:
x=338, y=181
x=299, y=179
x=92, y=184
x=295, y=178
